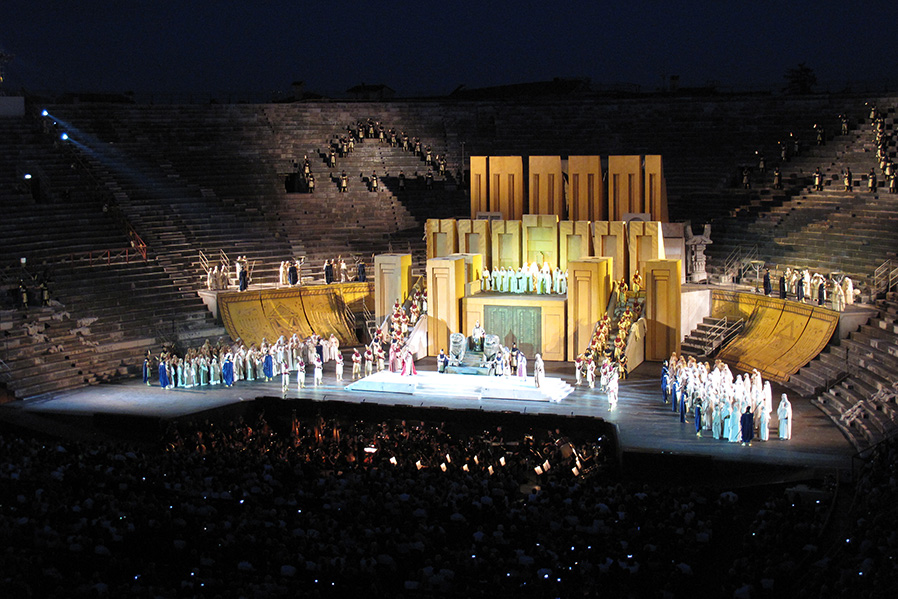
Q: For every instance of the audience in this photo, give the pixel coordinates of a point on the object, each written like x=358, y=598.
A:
x=330, y=506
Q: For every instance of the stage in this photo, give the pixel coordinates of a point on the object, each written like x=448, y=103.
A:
x=644, y=424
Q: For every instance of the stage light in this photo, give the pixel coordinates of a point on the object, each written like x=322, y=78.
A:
x=27, y=176
x=64, y=136
x=44, y=112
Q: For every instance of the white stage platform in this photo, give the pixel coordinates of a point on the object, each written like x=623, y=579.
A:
x=464, y=386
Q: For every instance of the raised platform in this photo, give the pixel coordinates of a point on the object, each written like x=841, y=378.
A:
x=536, y=323
x=464, y=386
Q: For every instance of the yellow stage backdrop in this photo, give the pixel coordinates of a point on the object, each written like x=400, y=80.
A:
x=779, y=337
x=270, y=313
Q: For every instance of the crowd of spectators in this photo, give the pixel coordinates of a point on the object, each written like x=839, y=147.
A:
x=328, y=506
x=861, y=562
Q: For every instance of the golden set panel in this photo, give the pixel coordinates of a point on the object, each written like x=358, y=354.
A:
x=441, y=236
x=506, y=244
x=645, y=241
x=610, y=239
x=506, y=186
x=589, y=287
x=574, y=242
x=663, y=291
x=474, y=238
x=574, y=189
x=546, y=185
x=539, y=239
x=625, y=186
x=655, y=188
x=392, y=277
x=445, y=289
x=480, y=201
x=585, y=183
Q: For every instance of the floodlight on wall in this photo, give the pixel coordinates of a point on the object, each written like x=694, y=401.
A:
x=64, y=136
x=44, y=112
x=27, y=176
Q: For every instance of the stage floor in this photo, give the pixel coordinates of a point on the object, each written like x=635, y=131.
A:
x=645, y=424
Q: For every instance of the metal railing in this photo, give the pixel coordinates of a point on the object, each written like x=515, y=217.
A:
x=738, y=258
x=720, y=333
x=107, y=257
x=885, y=277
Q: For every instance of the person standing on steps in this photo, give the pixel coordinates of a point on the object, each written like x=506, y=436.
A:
x=818, y=180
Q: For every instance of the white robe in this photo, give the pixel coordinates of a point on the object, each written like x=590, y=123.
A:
x=784, y=413
x=539, y=371
x=764, y=424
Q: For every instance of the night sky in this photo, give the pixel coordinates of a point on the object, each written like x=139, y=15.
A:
x=429, y=48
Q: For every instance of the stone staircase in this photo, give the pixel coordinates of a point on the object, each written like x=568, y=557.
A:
x=850, y=375
x=709, y=336
x=830, y=230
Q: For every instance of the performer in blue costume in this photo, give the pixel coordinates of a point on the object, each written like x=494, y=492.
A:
x=227, y=371
x=683, y=407
x=674, y=392
x=665, y=381
x=163, y=374
x=748, y=427
x=146, y=369
x=268, y=367
x=697, y=412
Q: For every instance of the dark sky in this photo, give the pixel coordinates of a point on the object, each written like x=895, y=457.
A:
x=428, y=47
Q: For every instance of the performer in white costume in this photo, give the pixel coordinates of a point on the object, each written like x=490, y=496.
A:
x=539, y=370
x=784, y=413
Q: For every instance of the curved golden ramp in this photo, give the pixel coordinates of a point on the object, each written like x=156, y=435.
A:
x=780, y=336
x=270, y=313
